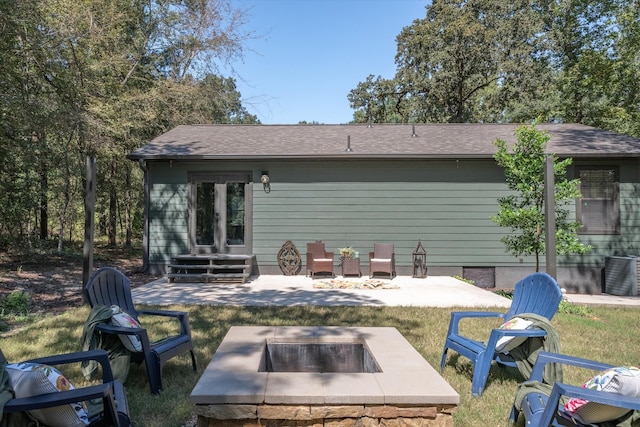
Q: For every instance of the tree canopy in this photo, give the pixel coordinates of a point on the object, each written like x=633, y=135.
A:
x=573, y=61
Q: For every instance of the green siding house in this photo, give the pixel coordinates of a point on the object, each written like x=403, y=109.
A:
x=355, y=185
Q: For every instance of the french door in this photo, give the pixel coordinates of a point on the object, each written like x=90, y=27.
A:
x=218, y=213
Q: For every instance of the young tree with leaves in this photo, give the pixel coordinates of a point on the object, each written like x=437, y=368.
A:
x=523, y=210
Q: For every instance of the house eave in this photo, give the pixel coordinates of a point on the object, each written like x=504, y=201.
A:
x=352, y=156
x=307, y=157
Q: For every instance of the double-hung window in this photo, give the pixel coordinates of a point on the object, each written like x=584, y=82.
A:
x=599, y=208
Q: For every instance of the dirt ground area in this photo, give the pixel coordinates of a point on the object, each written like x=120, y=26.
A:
x=55, y=282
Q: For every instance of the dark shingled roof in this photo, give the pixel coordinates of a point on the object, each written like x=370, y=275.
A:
x=385, y=141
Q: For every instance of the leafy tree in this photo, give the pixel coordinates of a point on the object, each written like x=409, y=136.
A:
x=523, y=210
x=495, y=61
x=88, y=78
x=590, y=42
x=377, y=101
x=24, y=110
x=599, y=85
x=466, y=61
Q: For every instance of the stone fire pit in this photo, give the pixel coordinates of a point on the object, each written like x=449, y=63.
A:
x=320, y=376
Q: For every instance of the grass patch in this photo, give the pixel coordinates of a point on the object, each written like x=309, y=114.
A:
x=565, y=306
x=15, y=309
x=609, y=334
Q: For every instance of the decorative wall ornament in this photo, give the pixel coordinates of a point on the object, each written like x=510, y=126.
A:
x=289, y=259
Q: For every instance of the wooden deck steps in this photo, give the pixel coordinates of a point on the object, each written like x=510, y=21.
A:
x=210, y=268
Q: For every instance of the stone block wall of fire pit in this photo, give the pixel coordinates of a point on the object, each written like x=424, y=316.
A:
x=236, y=391
x=324, y=416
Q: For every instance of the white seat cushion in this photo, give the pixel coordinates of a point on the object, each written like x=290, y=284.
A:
x=122, y=318
x=33, y=379
x=622, y=379
x=506, y=344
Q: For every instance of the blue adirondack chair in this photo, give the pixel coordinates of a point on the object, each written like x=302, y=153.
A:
x=538, y=409
x=537, y=293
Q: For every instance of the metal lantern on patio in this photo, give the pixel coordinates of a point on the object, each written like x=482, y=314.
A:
x=419, y=261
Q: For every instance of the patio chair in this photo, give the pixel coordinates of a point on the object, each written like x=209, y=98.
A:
x=38, y=396
x=382, y=260
x=319, y=260
x=612, y=394
x=537, y=294
x=109, y=286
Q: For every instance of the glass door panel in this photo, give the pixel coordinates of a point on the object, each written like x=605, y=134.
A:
x=206, y=215
x=235, y=213
x=217, y=213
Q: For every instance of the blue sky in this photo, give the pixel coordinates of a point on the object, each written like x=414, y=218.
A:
x=311, y=53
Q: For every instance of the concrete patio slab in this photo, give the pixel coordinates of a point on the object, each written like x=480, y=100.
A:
x=435, y=291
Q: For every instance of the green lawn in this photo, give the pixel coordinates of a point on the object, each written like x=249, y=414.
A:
x=610, y=334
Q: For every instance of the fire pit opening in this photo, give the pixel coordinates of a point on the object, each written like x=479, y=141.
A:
x=344, y=357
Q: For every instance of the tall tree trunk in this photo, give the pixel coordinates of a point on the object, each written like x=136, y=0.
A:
x=127, y=207
x=44, y=204
x=44, y=187
x=113, y=205
x=65, y=207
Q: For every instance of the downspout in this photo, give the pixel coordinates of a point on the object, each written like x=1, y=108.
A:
x=145, y=233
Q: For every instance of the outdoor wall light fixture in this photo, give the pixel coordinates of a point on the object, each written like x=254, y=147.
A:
x=264, y=179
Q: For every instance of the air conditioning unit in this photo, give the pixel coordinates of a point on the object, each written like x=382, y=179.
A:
x=621, y=275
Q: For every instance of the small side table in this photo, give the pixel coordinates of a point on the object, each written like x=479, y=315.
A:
x=351, y=267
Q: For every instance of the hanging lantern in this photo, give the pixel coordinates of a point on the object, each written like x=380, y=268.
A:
x=419, y=261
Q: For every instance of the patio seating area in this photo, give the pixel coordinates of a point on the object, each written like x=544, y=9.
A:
x=273, y=291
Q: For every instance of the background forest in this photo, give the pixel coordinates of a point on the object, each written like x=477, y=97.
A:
x=572, y=61
x=101, y=78
x=86, y=78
